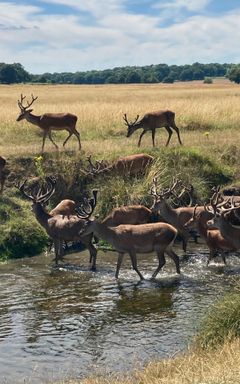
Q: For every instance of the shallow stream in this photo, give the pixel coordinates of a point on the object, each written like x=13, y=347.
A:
x=74, y=322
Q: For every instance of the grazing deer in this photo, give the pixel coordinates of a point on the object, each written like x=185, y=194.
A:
x=126, y=165
x=49, y=122
x=3, y=174
x=59, y=228
x=213, y=238
x=222, y=220
x=174, y=216
x=133, y=239
x=150, y=122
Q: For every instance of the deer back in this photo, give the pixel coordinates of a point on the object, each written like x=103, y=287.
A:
x=132, y=164
x=65, y=207
x=132, y=214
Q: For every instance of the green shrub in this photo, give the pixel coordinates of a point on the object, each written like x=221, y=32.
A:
x=222, y=323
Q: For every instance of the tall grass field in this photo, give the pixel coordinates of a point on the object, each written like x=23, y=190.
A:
x=207, y=114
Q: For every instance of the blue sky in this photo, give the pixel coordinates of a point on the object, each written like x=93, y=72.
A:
x=80, y=35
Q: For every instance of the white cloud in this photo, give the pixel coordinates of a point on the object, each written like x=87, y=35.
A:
x=190, y=5
x=57, y=43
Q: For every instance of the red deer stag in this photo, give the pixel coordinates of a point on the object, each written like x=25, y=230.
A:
x=150, y=122
x=213, y=238
x=59, y=228
x=133, y=239
x=222, y=220
x=126, y=165
x=174, y=216
x=49, y=122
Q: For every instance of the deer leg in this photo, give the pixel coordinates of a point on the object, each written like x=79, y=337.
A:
x=161, y=262
x=50, y=137
x=140, y=137
x=176, y=129
x=211, y=255
x=174, y=257
x=70, y=134
x=93, y=256
x=169, y=134
x=119, y=263
x=223, y=257
x=153, y=137
x=44, y=138
x=56, y=243
x=77, y=134
x=134, y=264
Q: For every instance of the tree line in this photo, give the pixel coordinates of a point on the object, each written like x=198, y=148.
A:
x=158, y=73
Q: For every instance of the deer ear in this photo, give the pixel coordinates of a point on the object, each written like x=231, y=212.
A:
x=29, y=110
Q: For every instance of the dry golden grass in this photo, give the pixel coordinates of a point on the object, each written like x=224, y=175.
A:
x=198, y=367
x=199, y=108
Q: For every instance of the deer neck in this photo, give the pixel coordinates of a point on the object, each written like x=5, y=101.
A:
x=167, y=212
x=41, y=215
x=33, y=119
x=226, y=228
x=202, y=228
x=103, y=231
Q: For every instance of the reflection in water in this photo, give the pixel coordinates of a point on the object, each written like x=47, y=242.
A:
x=57, y=323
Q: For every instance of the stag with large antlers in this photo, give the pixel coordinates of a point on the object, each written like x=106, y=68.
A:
x=133, y=239
x=222, y=219
x=213, y=238
x=150, y=122
x=59, y=228
x=174, y=216
x=49, y=122
x=124, y=166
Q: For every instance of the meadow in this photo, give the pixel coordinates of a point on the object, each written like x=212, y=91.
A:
x=207, y=115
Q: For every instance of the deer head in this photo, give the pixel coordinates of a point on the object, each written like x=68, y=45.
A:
x=40, y=195
x=25, y=110
x=131, y=125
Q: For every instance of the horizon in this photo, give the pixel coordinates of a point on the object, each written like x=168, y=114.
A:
x=69, y=36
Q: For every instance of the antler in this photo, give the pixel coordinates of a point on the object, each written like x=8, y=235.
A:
x=131, y=122
x=39, y=196
x=20, y=102
x=83, y=213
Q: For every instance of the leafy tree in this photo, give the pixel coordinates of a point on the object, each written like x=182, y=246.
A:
x=234, y=74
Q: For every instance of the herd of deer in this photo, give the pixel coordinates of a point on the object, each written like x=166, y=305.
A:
x=133, y=229
x=129, y=229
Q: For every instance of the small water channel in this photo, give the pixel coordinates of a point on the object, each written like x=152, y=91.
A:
x=74, y=322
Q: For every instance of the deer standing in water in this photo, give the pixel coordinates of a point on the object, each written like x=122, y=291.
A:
x=177, y=217
x=150, y=122
x=59, y=227
x=222, y=219
x=133, y=239
x=49, y=122
x=213, y=237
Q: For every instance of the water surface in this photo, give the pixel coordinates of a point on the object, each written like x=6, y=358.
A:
x=74, y=322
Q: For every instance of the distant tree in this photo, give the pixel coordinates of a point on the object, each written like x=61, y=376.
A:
x=186, y=75
x=133, y=77
x=198, y=74
x=13, y=73
x=169, y=79
x=234, y=74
